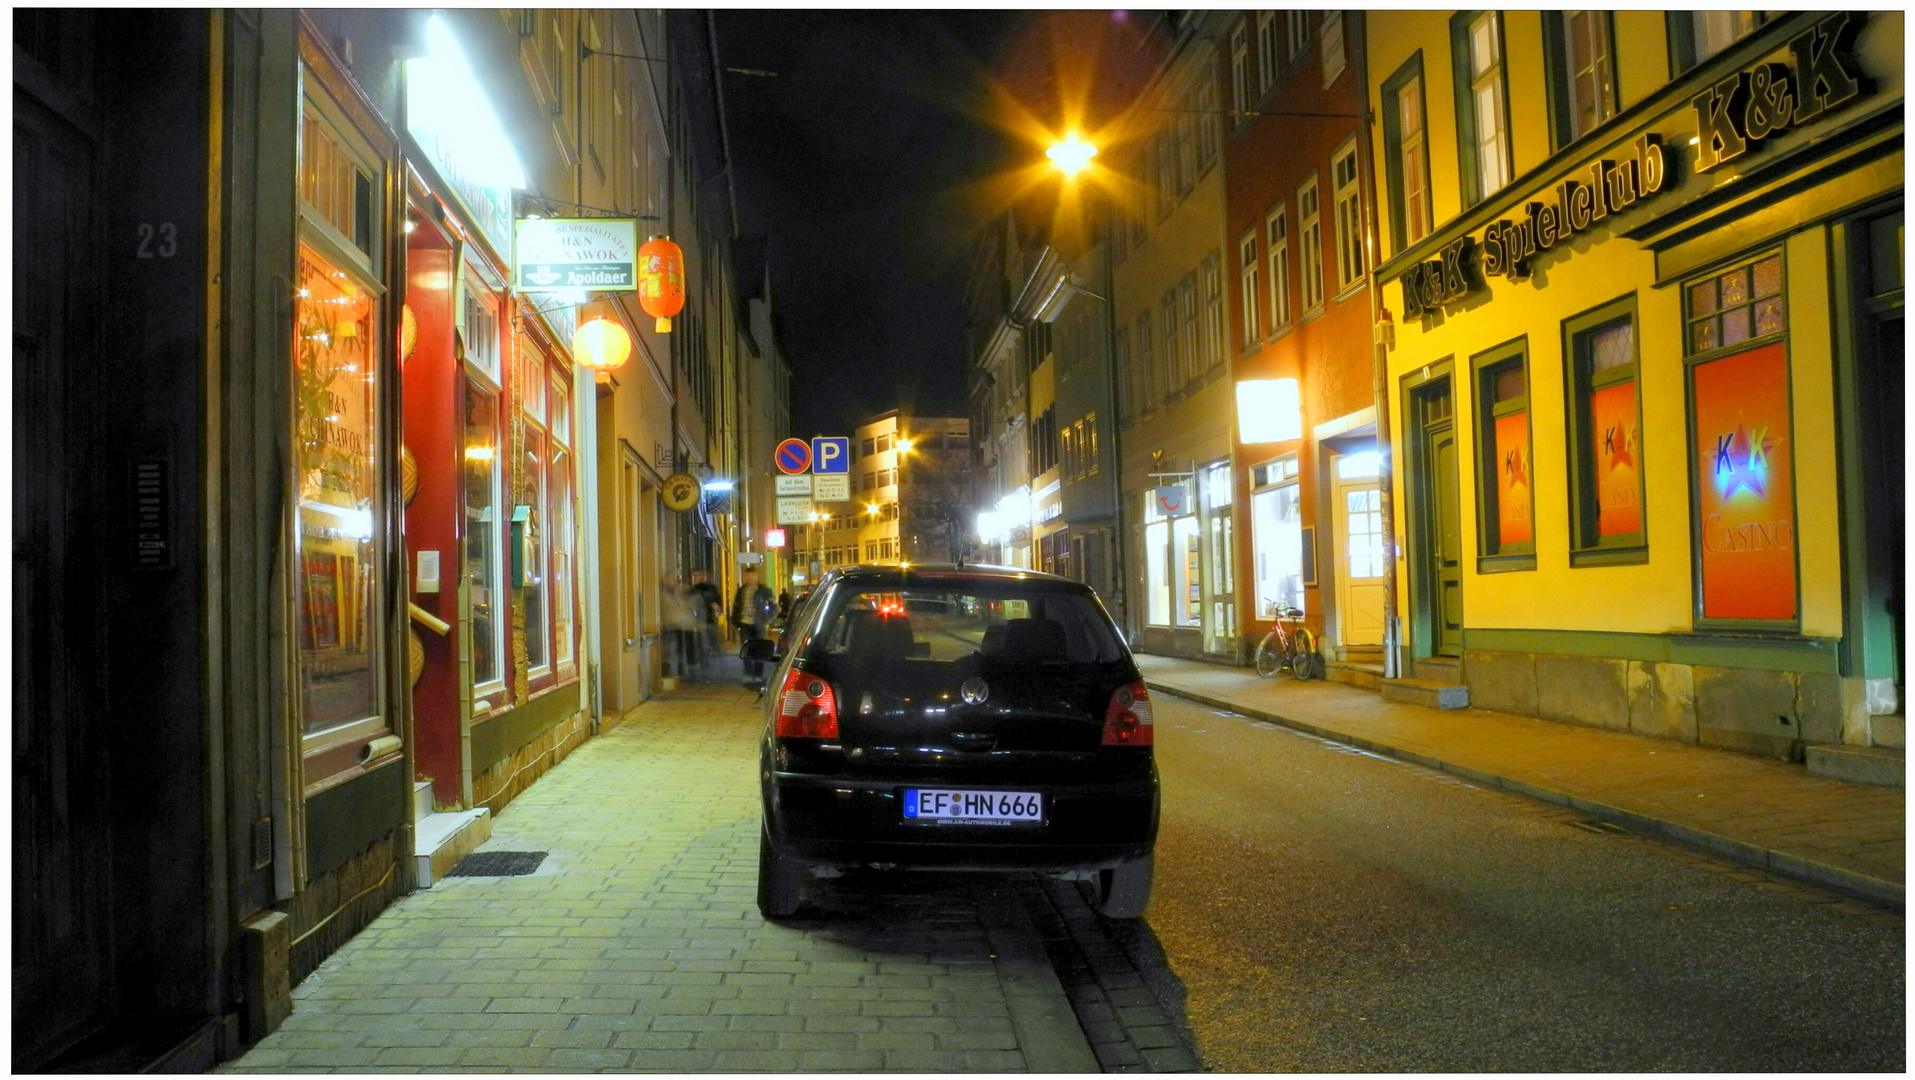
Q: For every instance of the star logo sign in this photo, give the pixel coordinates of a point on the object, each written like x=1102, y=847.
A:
x=1619, y=445
x=1742, y=459
x=1513, y=465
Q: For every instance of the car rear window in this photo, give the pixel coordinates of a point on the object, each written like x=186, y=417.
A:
x=1003, y=626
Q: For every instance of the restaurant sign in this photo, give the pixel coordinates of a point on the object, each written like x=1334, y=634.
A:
x=597, y=254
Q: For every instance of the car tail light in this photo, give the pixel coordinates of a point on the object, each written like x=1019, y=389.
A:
x=1127, y=720
x=807, y=709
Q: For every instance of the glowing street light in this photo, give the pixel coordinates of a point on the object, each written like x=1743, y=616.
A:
x=904, y=446
x=1072, y=154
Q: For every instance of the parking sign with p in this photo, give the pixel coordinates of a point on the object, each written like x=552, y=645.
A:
x=831, y=454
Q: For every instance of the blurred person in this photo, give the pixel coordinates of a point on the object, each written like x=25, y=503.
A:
x=752, y=609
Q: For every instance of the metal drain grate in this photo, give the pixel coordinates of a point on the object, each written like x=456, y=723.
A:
x=1605, y=828
x=498, y=864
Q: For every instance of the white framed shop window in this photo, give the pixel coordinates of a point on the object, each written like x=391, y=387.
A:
x=1276, y=524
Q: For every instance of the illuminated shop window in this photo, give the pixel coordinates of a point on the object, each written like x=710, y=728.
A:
x=1606, y=444
x=1742, y=449
x=336, y=515
x=1504, y=474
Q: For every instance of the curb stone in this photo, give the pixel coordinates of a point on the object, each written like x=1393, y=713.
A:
x=1888, y=893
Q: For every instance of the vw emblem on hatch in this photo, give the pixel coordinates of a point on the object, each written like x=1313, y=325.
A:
x=975, y=690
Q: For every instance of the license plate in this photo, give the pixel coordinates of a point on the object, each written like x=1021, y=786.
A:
x=937, y=806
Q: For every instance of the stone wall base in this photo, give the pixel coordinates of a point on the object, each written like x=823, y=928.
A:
x=1770, y=713
x=500, y=784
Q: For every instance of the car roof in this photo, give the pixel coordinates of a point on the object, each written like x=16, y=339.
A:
x=945, y=572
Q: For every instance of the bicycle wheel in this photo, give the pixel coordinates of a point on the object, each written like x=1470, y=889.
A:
x=1270, y=658
x=1307, y=663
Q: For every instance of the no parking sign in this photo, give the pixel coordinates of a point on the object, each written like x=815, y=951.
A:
x=792, y=457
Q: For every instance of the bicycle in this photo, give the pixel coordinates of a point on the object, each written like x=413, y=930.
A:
x=1294, y=649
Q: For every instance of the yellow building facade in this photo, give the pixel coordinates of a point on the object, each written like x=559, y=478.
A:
x=1645, y=275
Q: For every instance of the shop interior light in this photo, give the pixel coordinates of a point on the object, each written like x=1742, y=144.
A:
x=990, y=525
x=1268, y=411
x=444, y=98
x=478, y=453
x=1015, y=508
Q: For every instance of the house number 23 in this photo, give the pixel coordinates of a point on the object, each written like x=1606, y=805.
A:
x=162, y=242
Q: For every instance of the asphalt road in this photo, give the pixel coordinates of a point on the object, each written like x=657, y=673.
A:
x=1329, y=910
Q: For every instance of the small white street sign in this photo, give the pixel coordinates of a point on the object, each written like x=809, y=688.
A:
x=831, y=487
x=794, y=485
x=794, y=510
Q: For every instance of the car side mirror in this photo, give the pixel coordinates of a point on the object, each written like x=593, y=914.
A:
x=761, y=649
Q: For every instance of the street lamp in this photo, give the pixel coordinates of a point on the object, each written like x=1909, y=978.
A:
x=1072, y=154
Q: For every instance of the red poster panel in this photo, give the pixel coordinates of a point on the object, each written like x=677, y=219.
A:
x=1613, y=430
x=1744, y=486
x=1512, y=480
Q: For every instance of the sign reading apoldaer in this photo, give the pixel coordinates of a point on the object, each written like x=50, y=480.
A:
x=599, y=254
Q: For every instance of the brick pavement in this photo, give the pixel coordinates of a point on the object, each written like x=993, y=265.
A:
x=637, y=944
x=1767, y=813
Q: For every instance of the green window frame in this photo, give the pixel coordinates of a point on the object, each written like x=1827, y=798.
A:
x=1682, y=35
x=1500, y=380
x=1467, y=147
x=1599, y=363
x=1558, y=55
x=1730, y=310
x=1411, y=73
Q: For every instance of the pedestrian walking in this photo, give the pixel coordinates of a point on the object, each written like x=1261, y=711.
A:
x=752, y=609
x=706, y=599
x=683, y=622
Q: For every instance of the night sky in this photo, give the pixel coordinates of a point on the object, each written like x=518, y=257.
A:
x=871, y=195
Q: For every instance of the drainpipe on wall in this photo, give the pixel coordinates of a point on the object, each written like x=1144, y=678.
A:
x=1380, y=357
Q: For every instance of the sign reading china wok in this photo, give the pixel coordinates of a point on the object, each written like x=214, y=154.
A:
x=599, y=254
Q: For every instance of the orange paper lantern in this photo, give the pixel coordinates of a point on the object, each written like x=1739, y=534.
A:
x=661, y=280
x=601, y=343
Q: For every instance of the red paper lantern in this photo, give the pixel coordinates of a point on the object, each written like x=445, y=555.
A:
x=661, y=280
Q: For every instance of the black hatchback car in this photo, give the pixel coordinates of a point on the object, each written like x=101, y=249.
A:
x=956, y=718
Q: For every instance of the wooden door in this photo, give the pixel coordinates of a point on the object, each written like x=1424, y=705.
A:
x=62, y=841
x=1359, y=537
x=1447, y=543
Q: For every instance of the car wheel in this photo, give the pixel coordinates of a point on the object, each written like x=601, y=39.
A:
x=780, y=881
x=1123, y=891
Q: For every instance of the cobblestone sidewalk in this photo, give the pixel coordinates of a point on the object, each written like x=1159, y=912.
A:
x=637, y=944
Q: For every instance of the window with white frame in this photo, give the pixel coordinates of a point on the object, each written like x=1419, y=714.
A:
x=1297, y=24
x=1330, y=46
x=1207, y=121
x=1584, y=82
x=1170, y=364
x=1349, y=228
x=1276, y=536
x=1210, y=285
x=1165, y=147
x=1488, y=144
x=1412, y=158
x=1710, y=32
x=1250, y=287
x=1310, y=245
x=1186, y=129
x=1268, y=60
x=1189, y=333
x=1240, y=65
x=1126, y=392
x=1276, y=229
x=1142, y=371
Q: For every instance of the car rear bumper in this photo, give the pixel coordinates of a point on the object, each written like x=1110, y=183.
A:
x=830, y=820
